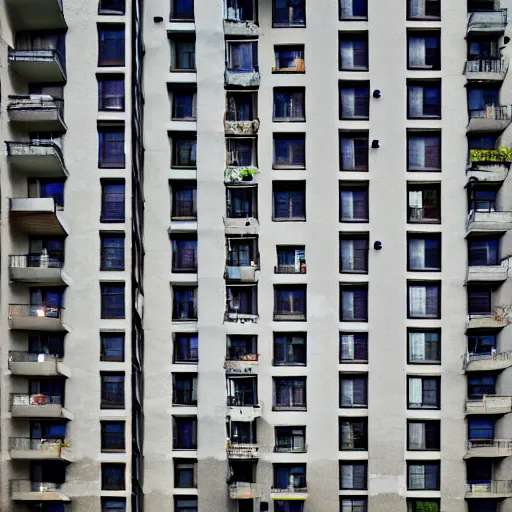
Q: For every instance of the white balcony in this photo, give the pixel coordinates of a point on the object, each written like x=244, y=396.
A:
x=487, y=22
x=39, y=158
x=36, y=268
x=487, y=273
x=242, y=451
x=243, y=412
x=241, y=226
x=486, y=70
x=37, y=216
x=242, y=78
x=24, y=448
x=497, y=489
x=492, y=118
x=489, y=405
x=26, y=490
x=489, y=222
x=239, y=28
x=247, y=363
x=38, y=406
x=45, y=65
x=36, y=317
x=29, y=364
x=247, y=274
x=37, y=112
x=289, y=494
x=241, y=127
x=488, y=362
x=489, y=448
x=245, y=491
x=36, y=14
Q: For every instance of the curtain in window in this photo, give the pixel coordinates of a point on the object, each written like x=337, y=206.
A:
x=417, y=476
x=347, y=346
x=417, y=346
x=353, y=205
x=417, y=253
x=347, y=435
x=416, y=93
x=347, y=393
x=241, y=57
x=416, y=436
x=417, y=51
x=415, y=391
x=348, y=103
x=347, y=306
x=347, y=54
x=351, y=8
x=347, y=476
x=347, y=255
x=348, y=154
x=417, y=147
x=418, y=300
x=417, y=8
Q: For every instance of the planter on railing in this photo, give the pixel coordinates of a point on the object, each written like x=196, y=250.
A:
x=235, y=174
x=491, y=156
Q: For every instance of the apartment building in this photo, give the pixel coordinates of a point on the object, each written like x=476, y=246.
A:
x=287, y=289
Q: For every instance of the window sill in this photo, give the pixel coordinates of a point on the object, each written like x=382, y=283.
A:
x=113, y=450
x=353, y=361
x=290, y=318
x=353, y=221
x=352, y=272
x=423, y=407
x=423, y=363
x=292, y=25
x=278, y=408
x=111, y=221
x=184, y=119
x=356, y=169
x=287, y=71
x=189, y=361
x=355, y=118
x=289, y=219
x=424, y=269
x=111, y=406
x=181, y=20
x=424, y=221
x=184, y=270
x=113, y=64
x=424, y=169
x=112, y=269
x=288, y=119
x=184, y=167
x=274, y=363
x=423, y=18
x=185, y=70
x=120, y=165
x=183, y=218
x=277, y=167
x=355, y=18
x=110, y=12
x=355, y=70
x=184, y=320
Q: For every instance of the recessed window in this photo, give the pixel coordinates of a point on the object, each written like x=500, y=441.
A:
x=354, y=151
x=353, y=51
x=112, y=251
x=242, y=303
x=184, y=148
x=423, y=435
x=184, y=306
x=423, y=151
x=242, y=348
x=423, y=476
x=289, y=13
x=290, y=303
x=111, y=42
x=353, y=475
x=353, y=391
x=289, y=104
x=48, y=188
x=241, y=106
x=183, y=104
x=185, y=504
x=183, y=53
x=424, y=392
x=423, y=99
x=289, y=151
x=242, y=391
x=111, y=93
x=482, y=344
x=353, y=253
x=112, y=300
x=354, y=100
x=483, y=251
x=423, y=10
x=424, y=505
x=289, y=201
x=113, y=477
x=185, y=474
x=185, y=348
x=479, y=300
x=241, y=202
x=424, y=50
x=424, y=203
x=481, y=430
x=111, y=7
x=424, y=346
x=112, y=201
x=184, y=432
x=353, y=347
x=182, y=10
x=353, y=433
x=354, y=202
x=289, y=394
x=241, y=10
x=289, y=475
x=481, y=384
x=353, y=10
x=184, y=254
x=113, y=436
x=112, y=390
x=242, y=56
x=424, y=299
x=111, y=505
x=289, y=59
x=291, y=259
x=241, y=151
x=353, y=504
x=290, y=349
x=354, y=303
x=184, y=200
x=111, y=147
x=112, y=346
x=290, y=439
x=184, y=389
x=424, y=252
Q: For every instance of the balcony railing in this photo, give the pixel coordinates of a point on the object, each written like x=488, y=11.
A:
x=242, y=451
x=242, y=399
x=492, y=112
x=36, y=102
x=489, y=403
x=423, y=214
x=35, y=399
x=39, y=445
x=23, y=486
x=291, y=449
x=498, y=66
x=32, y=148
x=34, y=310
x=488, y=156
x=245, y=490
x=497, y=356
x=291, y=268
x=236, y=355
x=16, y=356
x=494, y=487
x=38, y=55
x=290, y=489
x=34, y=261
x=501, y=445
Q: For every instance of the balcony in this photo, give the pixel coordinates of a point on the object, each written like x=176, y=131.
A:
x=36, y=317
x=299, y=268
x=492, y=118
x=38, y=406
x=240, y=28
x=24, y=448
x=242, y=451
x=36, y=14
x=248, y=274
x=245, y=491
x=36, y=268
x=243, y=363
x=486, y=70
x=240, y=410
x=37, y=159
x=30, y=364
x=487, y=22
x=240, y=175
x=26, y=490
x=489, y=404
x=489, y=222
x=241, y=127
x=487, y=273
x=37, y=216
x=242, y=78
x=41, y=65
x=487, y=362
x=489, y=448
x=289, y=494
x=497, y=489
x=37, y=112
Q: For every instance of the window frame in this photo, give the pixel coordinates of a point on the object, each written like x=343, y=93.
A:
x=183, y=289
x=352, y=18
x=105, y=143
x=354, y=287
x=102, y=79
x=112, y=183
x=289, y=434
x=436, y=463
x=344, y=376
x=120, y=291
x=363, y=334
x=180, y=497
x=363, y=85
x=112, y=335
x=425, y=17
x=176, y=470
x=353, y=420
x=111, y=27
x=112, y=12
x=423, y=187
x=412, y=503
x=288, y=187
x=425, y=133
x=294, y=383
x=355, y=186
x=111, y=235
x=293, y=92
x=278, y=313
x=426, y=284
x=297, y=48
x=411, y=330
x=184, y=187
x=422, y=406
x=356, y=36
x=413, y=235
x=363, y=136
x=177, y=138
x=106, y=499
x=289, y=336
x=364, y=464
x=425, y=422
x=104, y=434
x=354, y=237
x=121, y=391
x=425, y=34
x=188, y=336
x=119, y=467
x=296, y=139
x=425, y=83
x=293, y=25
x=180, y=19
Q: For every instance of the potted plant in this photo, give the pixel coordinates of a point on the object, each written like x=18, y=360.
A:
x=247, y=173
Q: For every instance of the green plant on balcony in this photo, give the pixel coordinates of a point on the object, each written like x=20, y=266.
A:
x=502, y=154
x=233, y=174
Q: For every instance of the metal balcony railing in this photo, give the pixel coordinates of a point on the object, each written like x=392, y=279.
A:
x=497, y=357
x=37, y=55
x=494, y=487
x=500, y=444
x=290, y=269
x=242, y=399
x=35, y=261
x=30, y=357
x=492, y=112
x=35, y=399
x=37, y=310
x=242, y=451
x=36, y=102
x=486, y=66
x=31, y=148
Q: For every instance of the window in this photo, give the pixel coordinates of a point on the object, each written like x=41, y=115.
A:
x=423, y=10
x=112, y=505
x=289, y=151
x=353, y=391
x=290, y=349
x=354, y=151
x=353, y=434
x=112, y=7
x=424, y=100
x=424, y=346
x=482, y=200
x=353, y=347
x=111, y=45
x=241, y=10
x=185, y=473
x=354, y=303
x=184, y=431
x=354, y=202
x=242, y=57
x=242, y=391
x=46, y=343
x=353, y=9
x=289, y=59
x=290, y=439
x=424, y=299
x=481, y=429
x=241, y=202
x=423, y=505
x=481, y=384
x=185, y=504
x=242, y=252
x=424, y=151
x=481, y=343
x=111, y=147
x=112, y=346
x=289, y=13
x=291, y=260
x=184, y=200
x=184, y=254
x=290, y=303
x=241, y=106
x=424, y=203
x=112, y=390
x=289, y=201
x=424, y=393
x=353, y=475
x=184, y=104
x=184, y=390
x=112, y=251
x=289, y=104
x=423, y=476
x=424, y=252
x=483, y=102
x=242, y=432
x=182, y=10
x=423, y=435
x=354, y=254
x=289, y=475
x=353, y=51
x=479, y=301
x=483, y=49
x=113, y=436
x=289, y=394
x=111, y=93
x=483, y=251
x=242, y=302
x=112, y=201
x=183, y=53
x=354, y=100
x=424, y=50
x=112, y=300
x=241, y=151
x=351, y=504
x=242, y=348
x=113, y=477
x=184, y=147
x=51, y=188
x=184, y=303
x=185, y=348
